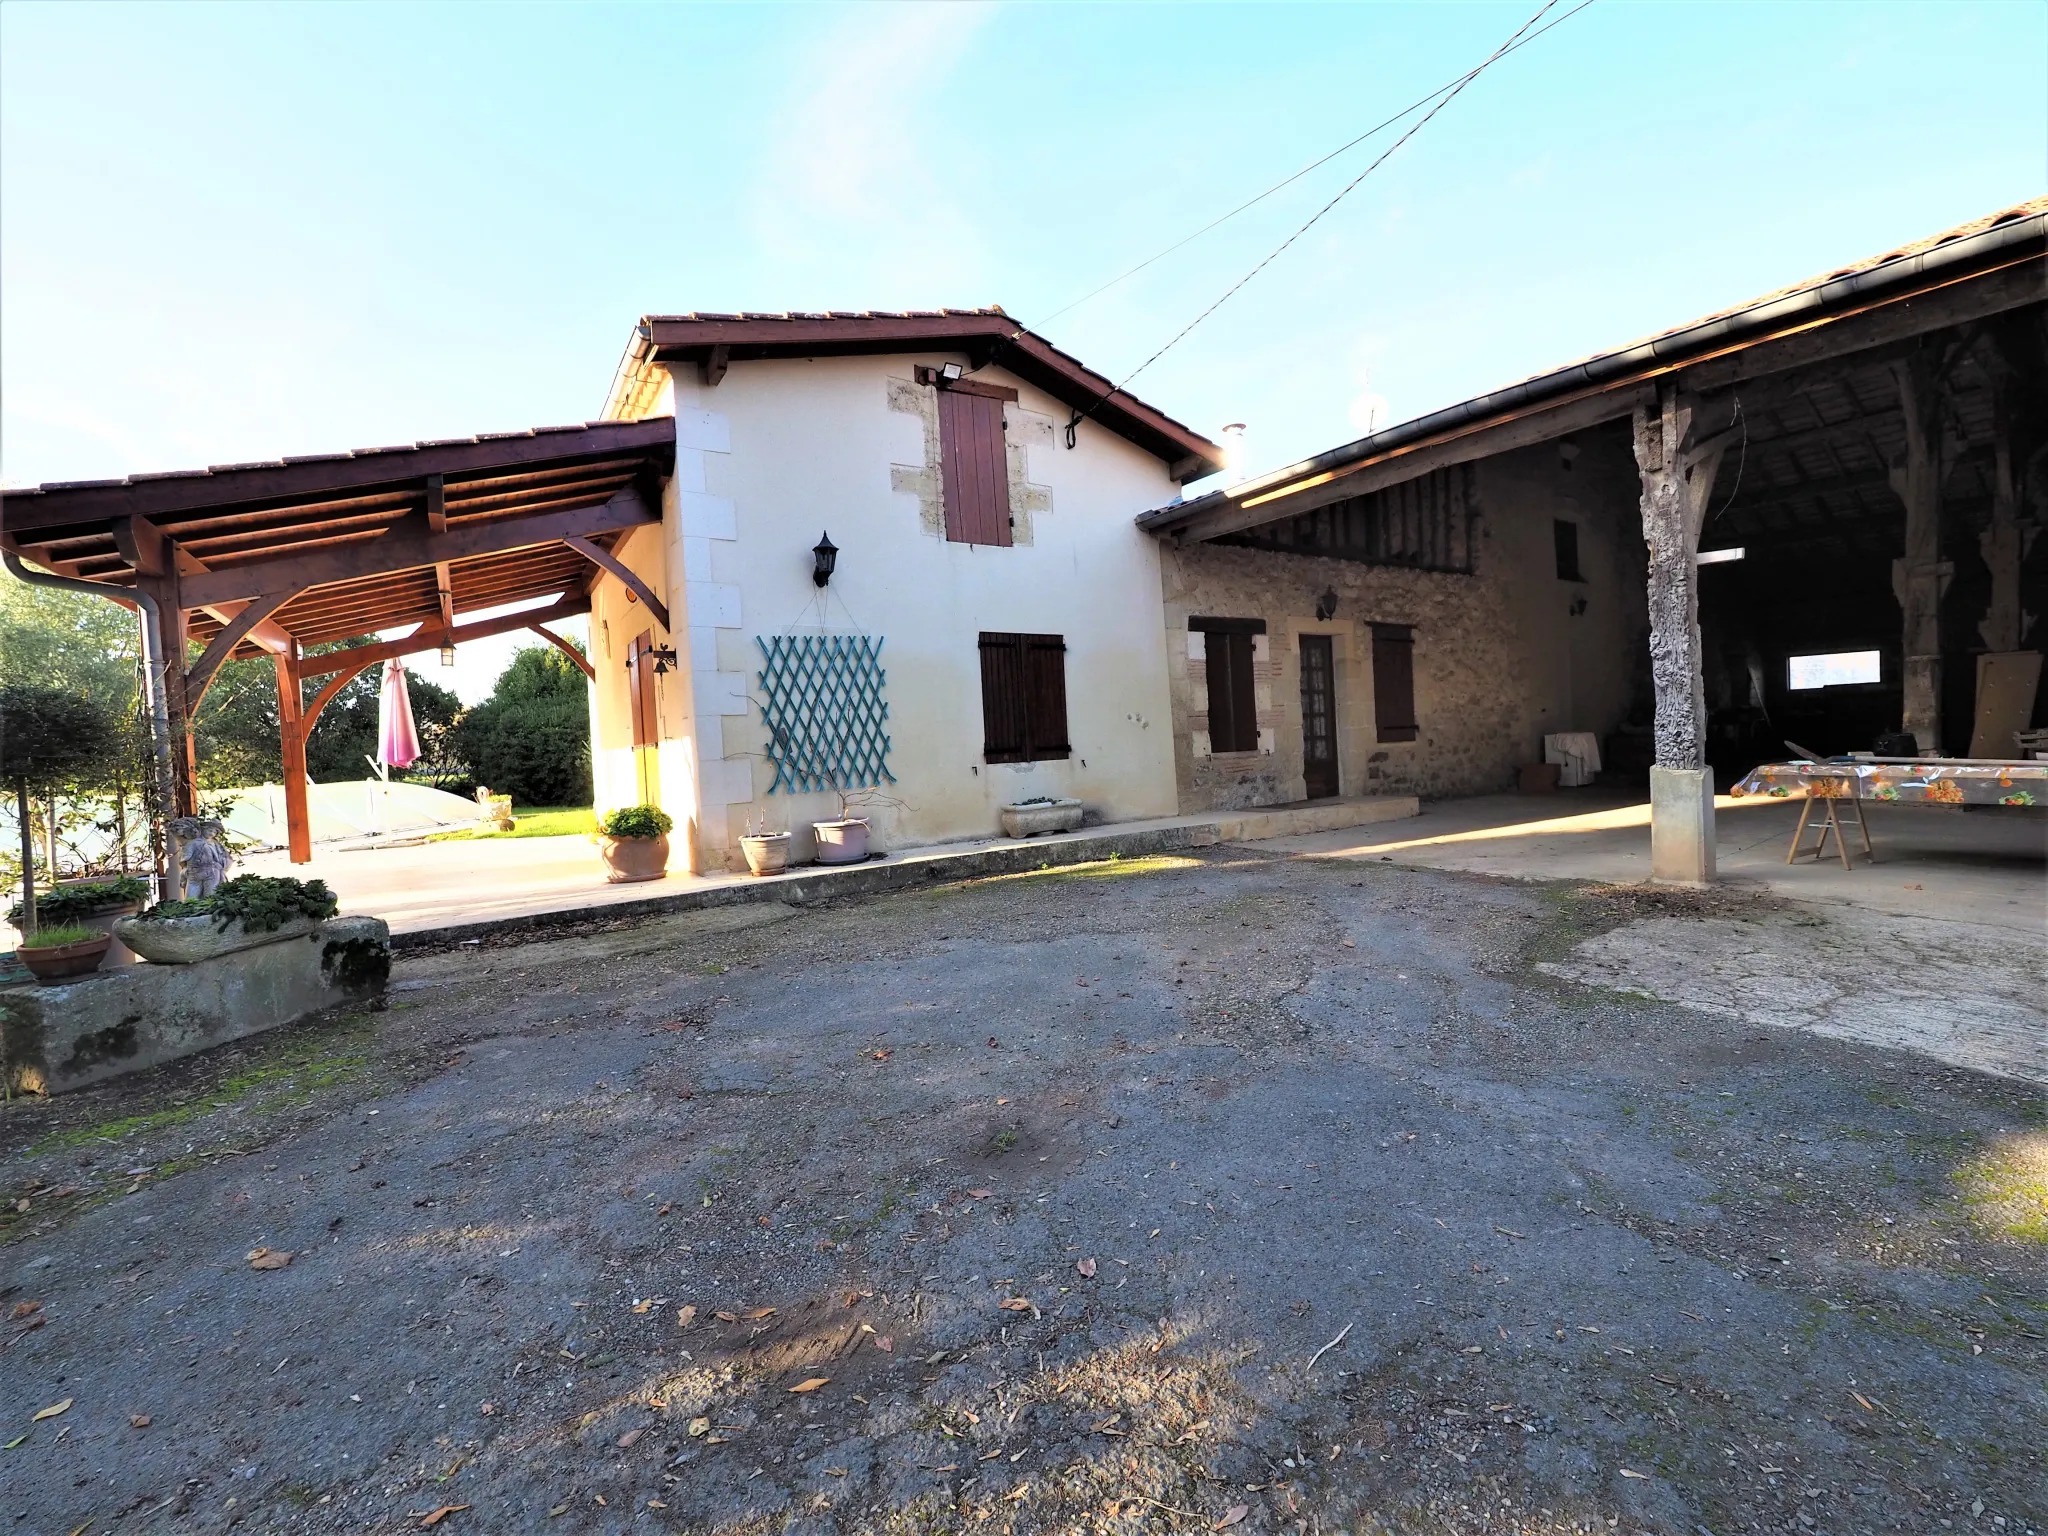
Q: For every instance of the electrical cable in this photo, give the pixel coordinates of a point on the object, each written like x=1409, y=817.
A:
x=1313, y=165
x=1519, y=36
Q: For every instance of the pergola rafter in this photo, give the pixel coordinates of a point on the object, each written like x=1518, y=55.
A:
x=256, y=559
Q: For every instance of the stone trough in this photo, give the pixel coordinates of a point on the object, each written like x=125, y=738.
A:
x=73, y=1034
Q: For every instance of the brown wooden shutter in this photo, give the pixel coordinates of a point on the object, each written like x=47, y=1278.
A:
x=1393, y=681
x=1233, y=702
x=974, y=470
x=1045, y=696
x=1003, y=735
x=1023, y=698
x=640, y=678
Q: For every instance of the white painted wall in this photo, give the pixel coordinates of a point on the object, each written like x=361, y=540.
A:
x=780, y=451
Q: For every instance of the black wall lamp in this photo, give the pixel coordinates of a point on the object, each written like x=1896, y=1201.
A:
x=824, y=556
x=1326, y=605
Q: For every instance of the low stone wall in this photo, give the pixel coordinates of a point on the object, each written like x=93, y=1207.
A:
x=57, y=1038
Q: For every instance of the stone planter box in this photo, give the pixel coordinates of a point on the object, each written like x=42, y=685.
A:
x=1045, y=816
x=187, y=940
x=66, y=1035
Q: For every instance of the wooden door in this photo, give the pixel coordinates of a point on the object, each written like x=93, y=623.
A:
x=1318, y=717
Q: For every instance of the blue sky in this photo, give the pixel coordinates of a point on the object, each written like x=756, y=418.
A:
x=235, y=232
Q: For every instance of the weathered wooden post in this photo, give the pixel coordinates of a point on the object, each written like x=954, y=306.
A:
x=1678, y=475
x=1920, y=576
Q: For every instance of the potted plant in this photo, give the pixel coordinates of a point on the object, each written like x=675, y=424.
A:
x=634, y=842
x=240, y=914
x=60, y=951
x=1040, y=813
x=844, y=841
x=94, y=903
x=767, y=852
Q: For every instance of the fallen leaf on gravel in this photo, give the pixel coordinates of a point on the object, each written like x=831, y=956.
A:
x=630, y=1438
x=1348, y=944
x=881, y=1055
x=269, y=1258
x=1510, y=1232
x=1015, y=1304
x=10, y=1445
x=1864, y=1401
x=727, y=1317
x=979, y=1194
x=835, y=1471
x=1625, y=1472
x=686, y=1316
x=53, y=1410
x=886, y=1344
x=442, y=1513
x=559, y=1509
x=754, y=1314
x=699, y=1428
x=1086, y=1267
x=139, y=1420
x=25, y=1308
x=811, y=1385
x=1237, y=1512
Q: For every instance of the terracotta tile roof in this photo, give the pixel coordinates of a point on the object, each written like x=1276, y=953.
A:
x=987, y=334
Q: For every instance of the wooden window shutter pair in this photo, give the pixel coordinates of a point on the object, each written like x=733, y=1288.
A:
x=1233, y=698
x=1023, y=698
x=974, y=467
x=1393, y=681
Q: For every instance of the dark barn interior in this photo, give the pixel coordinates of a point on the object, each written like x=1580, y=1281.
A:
x=1813, y=493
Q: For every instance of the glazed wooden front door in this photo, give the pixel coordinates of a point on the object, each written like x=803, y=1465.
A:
x=1318, y=717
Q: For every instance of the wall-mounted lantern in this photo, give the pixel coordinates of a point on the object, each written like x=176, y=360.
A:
x=1326, y=605
x=824, y=556
x=447, y=655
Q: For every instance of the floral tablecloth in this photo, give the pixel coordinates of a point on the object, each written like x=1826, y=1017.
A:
x=1926, y=783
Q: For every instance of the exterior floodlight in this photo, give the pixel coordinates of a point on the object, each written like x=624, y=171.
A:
x=951, y=371
x=1718, y=556
x=824, y=556
x=447, y=655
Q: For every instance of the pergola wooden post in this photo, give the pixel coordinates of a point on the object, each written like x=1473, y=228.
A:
x=1920, y=576
x=292, y=730
x=1677, y=471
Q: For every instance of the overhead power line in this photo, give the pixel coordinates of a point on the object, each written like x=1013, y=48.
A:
x=1417, y=105
x=1450, y=96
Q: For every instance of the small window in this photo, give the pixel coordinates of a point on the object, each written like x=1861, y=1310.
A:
x=1229, y=646
x=1023, y=698
x=1393, y=682
x=1832, y=670
x=974, y=468
x=1566, y=535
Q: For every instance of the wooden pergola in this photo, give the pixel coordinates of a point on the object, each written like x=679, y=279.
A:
x=245, y=560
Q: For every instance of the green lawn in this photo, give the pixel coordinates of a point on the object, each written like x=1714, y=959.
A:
x=537, y=821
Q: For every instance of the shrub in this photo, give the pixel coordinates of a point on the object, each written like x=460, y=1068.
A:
x=68, y=903
x=60, y=933
x=637, y=821
x=261, y=903
x=531, y=738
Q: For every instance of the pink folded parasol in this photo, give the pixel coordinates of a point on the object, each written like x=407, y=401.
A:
x=398, y=742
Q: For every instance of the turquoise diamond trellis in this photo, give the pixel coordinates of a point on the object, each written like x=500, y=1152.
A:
x=822, y=699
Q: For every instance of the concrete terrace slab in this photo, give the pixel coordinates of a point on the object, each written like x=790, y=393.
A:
x=1988, y=867
x=432, y=890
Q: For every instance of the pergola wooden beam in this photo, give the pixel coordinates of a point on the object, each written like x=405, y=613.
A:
x=402, y=548
x=605, y=560
x=582, y=661
x=432, y=637
x=199, y=676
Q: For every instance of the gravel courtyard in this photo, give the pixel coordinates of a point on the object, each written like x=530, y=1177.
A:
x=1170, y=1195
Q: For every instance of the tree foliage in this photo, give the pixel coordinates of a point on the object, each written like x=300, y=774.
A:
x=237, y=725
x=55, y=741
x=531, y=738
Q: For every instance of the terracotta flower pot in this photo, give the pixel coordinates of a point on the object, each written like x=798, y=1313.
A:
x=767, y=852
x=627, y=859
x=59, y=962
x=841, y=842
